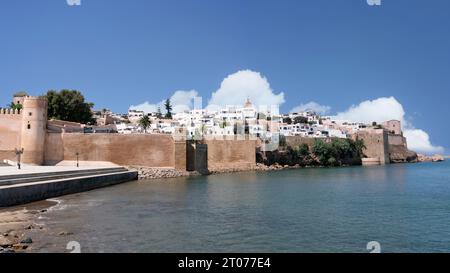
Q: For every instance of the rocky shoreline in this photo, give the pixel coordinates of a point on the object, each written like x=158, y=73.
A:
x=17, y=224
x=20, y=231
x=12, y=241
x=157, y=173
x=147, y=173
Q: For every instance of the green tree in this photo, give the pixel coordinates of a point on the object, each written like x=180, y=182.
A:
x=322, y=151
x=287, y=120
x=145, y=122
x=358, y=147
x=300, y=120
x=337, y=151
x=168, y=107
x=69, y=105
x=222, y=124
x=303, y=150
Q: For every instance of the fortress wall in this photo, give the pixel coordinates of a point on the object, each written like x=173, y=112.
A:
x=299, y=140
x=54, y=149
x=376, y=142
x=180, y=156
x=138, y=150
x=398, y=150
x=10, y=129
x=231, y=154
x=396, y=140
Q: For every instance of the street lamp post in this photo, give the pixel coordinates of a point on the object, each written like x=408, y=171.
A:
x=19, y=153
x=78, y=164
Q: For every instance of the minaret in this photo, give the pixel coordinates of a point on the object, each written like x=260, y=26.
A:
x=34, y=126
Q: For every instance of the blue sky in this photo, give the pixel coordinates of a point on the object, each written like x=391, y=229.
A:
x=337, y=53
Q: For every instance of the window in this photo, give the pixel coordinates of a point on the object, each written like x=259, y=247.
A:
x=30, y=114
x=29, y=126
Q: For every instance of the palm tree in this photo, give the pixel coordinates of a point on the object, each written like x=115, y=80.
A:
x=15, y=106
x=145, y=122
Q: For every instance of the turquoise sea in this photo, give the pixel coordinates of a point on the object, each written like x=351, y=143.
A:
x=404, y=207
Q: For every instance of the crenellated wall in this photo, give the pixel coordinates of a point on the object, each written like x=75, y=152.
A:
x=24, y=129
x=10, y=133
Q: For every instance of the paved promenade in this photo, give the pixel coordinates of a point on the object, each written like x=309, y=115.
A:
x=34, y=183
x=12, y=170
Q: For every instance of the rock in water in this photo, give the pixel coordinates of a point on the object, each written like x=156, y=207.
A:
x=6, y=250
x=434, y=158
x=5, y=242
x=13, y=234
x=20, y=246
x=27, y=240
x=65, y=233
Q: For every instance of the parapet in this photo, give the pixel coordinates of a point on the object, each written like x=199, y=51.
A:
x=9, y=111
x=29, y=101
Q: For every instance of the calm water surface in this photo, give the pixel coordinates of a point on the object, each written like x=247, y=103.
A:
x=404, y=207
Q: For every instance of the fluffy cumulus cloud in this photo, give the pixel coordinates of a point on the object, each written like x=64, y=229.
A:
x=237, y=87
x=419, y=140
x=312, y=106
x=383, y=109
x=181, y=100
x=378, y=110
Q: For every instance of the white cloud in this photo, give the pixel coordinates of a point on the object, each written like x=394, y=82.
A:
x=181, y=100
x=383, y=109
x=378, y=110
x=237, y=87
x=147, y=107
x=311, y=106
x=419, y=140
